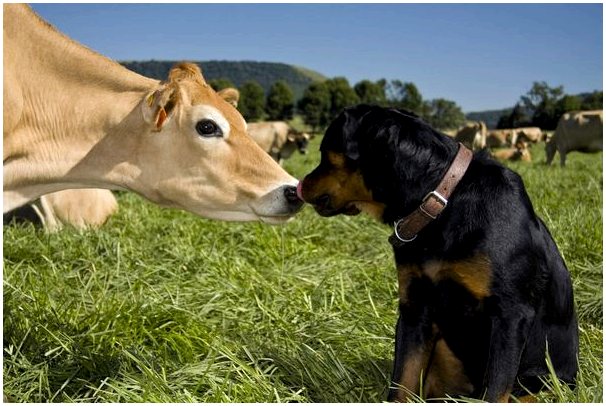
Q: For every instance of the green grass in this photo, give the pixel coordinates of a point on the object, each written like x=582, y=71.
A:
x=161, y=306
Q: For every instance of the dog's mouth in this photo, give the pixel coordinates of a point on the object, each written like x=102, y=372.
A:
x=323, y=204
x=349, y=209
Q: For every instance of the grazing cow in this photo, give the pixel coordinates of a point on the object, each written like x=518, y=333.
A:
x=529, y=134
x=576, y=131
x=278, y=139
x=518, y=153
x=501, y=138
x=472, y=135
x=75, y=119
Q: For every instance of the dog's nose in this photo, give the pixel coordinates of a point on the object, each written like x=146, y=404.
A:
x=290, y=193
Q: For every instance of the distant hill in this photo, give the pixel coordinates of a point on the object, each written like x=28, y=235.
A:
x=238, y=72
x=490, y=117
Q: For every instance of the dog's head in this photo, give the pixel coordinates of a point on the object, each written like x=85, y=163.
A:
x=375, y=160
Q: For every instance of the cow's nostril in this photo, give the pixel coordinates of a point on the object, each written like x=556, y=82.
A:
x=290, y=193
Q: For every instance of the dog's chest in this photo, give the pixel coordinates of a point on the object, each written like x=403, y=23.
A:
x=473, y=275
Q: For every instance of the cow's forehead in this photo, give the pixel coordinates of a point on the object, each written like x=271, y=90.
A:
x=203, y=94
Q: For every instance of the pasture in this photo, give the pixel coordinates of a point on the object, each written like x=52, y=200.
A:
x=161, y=306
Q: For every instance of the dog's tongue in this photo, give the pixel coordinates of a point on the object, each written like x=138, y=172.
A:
x=299, y=193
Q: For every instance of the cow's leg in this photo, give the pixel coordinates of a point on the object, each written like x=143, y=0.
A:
x=550, y=151
x=562, y=158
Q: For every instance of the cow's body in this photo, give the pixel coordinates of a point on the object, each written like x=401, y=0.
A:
x=508, y=137
x=518, y=153
x=529, y=134
x=500, y=138
x=75, y=119
x=472, y=135
x=278, y=139
x=576, y=131
x=80, y=208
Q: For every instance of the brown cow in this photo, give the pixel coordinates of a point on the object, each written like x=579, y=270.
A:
x=518, y=153
x=75, y=119
x=501, y=138
x=472, y=135
x=576, y=131
x=278, y=139
x=529, y=134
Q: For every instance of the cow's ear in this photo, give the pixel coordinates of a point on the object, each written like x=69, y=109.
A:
x=230, y=95
x=159, y=106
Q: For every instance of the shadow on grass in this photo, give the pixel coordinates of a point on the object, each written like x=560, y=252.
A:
x=322, y=376
x=41, y=367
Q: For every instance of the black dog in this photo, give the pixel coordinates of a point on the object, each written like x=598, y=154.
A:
x=484, y=292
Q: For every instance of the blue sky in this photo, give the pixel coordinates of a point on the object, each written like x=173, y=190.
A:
x=482, y=56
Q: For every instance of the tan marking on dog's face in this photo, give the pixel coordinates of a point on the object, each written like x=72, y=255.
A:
x=344, y=186
x=225, y=177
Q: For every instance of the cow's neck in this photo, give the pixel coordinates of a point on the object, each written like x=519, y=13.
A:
x=78, y=118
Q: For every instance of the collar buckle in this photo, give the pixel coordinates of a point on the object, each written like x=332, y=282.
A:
x=433, y=211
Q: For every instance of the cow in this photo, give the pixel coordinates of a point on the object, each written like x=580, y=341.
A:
x=278, y=139
x=529, y=134
x=472, y=135
x=576, y=131
x=79, y=208
x=501, y=138
x=76, y=119
x=519, y=152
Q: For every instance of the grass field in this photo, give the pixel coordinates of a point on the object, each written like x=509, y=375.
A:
x=161, y=306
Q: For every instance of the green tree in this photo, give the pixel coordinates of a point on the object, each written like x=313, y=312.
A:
x=252, y=101
x=445, y=114
x=371, y=92
x=341, y=95
x=567, y=103
x=314, y=106
x=280, y=101
x=541, y=101
x=406, y=95
x=220, y=84
x=517, y=118
x=594, y=101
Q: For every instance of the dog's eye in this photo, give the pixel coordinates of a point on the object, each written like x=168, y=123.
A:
x=208, y=128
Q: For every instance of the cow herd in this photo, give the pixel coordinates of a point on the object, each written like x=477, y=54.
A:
x=576, y=131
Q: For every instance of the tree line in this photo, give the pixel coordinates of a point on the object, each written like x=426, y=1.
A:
x=543, y=105
x=322, y=101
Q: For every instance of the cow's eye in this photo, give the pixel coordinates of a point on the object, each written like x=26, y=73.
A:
x=208, y=128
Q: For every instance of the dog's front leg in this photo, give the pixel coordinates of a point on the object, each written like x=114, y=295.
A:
x=507, y=338
x=414, y=343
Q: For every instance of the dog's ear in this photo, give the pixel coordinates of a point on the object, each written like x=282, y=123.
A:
x=350, y=138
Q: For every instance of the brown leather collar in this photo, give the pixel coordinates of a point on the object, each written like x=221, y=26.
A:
x=407, y=228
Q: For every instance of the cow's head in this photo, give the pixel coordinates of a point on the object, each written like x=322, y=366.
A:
x=196, y=155
x=301, y=140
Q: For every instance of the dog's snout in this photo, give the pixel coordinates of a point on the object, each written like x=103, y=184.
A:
x=322, y=200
